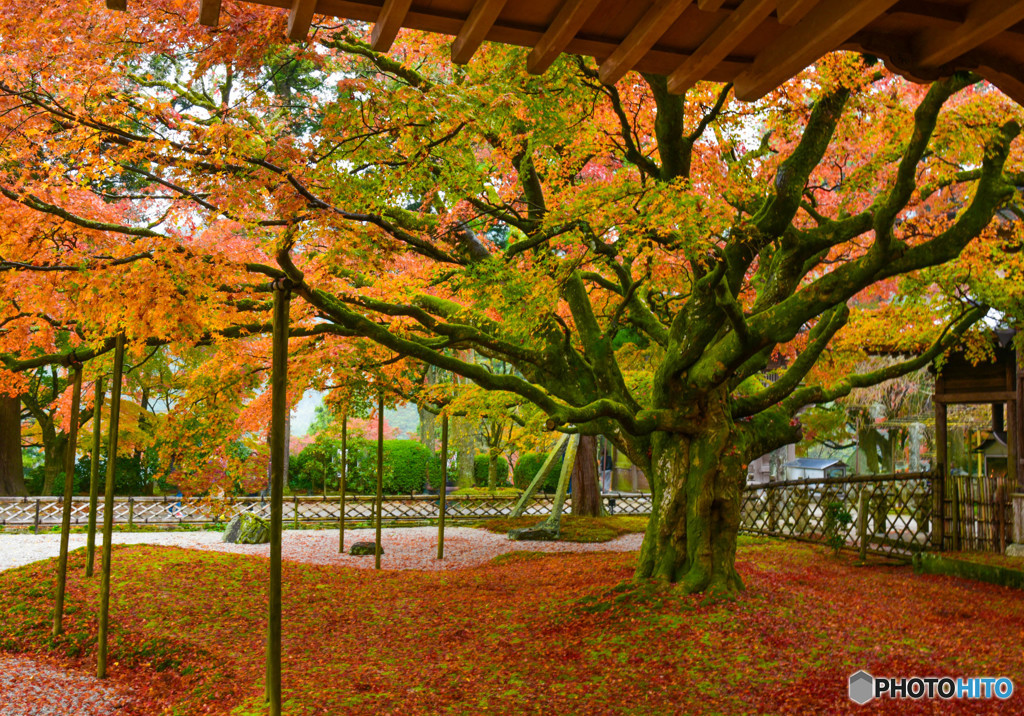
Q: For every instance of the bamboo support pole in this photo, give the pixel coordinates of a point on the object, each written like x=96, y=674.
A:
x=278, y=416
x=380, y=477
x=344, y=468
x=69, y=492
x=94, y=476
x=443, y=501
x=108, y=506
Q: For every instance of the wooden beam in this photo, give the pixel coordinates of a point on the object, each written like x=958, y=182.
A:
x=791, y=12
x=389, y=22
x=825, y=28
x=478, y=24
x=121, y=5
x=978, y=397
x=565, y=26
x=300, y=18
x=641, y=38
x=710, y=5
x=735, y=28
x=209, y=12
x=985, y=19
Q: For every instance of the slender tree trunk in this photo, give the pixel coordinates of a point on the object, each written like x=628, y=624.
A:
x=341, y=482
x=69, y=485
x=586, y=490
x=492, y=468
x=108, y=506
x=12, y=473
x=94, y=476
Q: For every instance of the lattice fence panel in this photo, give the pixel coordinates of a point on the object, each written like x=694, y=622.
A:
x=897, y=510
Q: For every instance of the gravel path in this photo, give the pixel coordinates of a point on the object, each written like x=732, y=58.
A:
x=31, y=688
x=404, y=548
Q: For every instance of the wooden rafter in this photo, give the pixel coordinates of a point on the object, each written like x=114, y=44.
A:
x=641, y=38
x=121, y=5
x=791, y=12
x=209, y=12
x=710, y=5
x=389, y=22
x=735, y=28
x=473, y=32
x=567, y=23
x=985, y=19
x=825, y=27
x=300, y=18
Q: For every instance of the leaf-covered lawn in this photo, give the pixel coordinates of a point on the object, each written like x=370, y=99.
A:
x=527, y=634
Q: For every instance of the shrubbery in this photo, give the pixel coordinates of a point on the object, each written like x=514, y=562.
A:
x=528, y=466
x=407, y=465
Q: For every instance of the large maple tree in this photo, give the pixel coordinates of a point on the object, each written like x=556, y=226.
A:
x=639, y=258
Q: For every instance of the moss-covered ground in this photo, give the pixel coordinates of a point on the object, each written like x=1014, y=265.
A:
x=526, y=634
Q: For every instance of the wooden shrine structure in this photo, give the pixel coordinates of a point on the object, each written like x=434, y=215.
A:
x=755, y=44
x=1000, y=383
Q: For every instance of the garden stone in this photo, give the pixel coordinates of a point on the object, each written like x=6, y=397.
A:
x=1015, y=550
x=537, y=533
x=363, y=549
x=247, y=528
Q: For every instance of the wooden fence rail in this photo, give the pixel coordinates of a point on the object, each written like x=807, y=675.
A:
x=40, y=512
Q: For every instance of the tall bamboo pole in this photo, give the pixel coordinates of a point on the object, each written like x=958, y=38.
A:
x=380, y=474
x=108, y=504
x=344, y=467
x=444, y=486
x=94, y=476
x=69, y=492
x=278, y=410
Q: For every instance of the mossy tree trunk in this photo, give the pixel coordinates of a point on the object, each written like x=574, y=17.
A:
x=12, y=472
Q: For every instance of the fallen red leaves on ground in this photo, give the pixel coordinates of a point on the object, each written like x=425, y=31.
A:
x=527, y=634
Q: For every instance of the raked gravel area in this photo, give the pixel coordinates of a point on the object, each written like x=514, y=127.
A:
x=404, y=548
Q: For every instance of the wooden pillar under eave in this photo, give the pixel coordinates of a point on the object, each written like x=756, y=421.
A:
x=942, y=470
x=278, y=410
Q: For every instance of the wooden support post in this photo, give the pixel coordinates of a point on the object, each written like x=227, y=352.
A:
x=554, y=520
x=380, y=476
x=131, y=512
x=35, y=521
x=69, y=492
x=939, y=484
x=295, y=511
x=344, y=468
x=94, y=476
x=954, y=508
x=108, y=506
x=442, y=503
x=278, y=415
x=538, y=479
x=862, y=523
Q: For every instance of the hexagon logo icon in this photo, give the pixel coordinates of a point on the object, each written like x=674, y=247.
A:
x=862, y=687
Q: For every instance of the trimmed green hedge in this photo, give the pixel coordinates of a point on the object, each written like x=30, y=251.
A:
x=528, y=466
x=480, y=465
